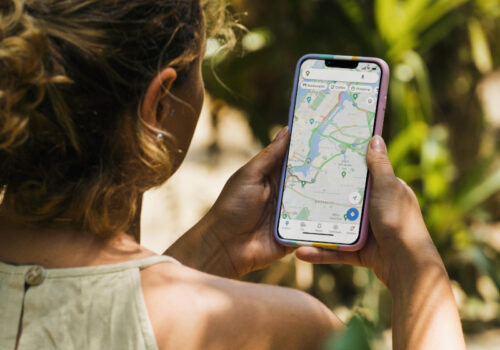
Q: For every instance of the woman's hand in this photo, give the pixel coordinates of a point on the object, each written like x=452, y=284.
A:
x=401, y=253
x=236, y=236
x=398, y=232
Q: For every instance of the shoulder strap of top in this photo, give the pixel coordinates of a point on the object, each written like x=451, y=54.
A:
x=152, y=260
x=92, y=270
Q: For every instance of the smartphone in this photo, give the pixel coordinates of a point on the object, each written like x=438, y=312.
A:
x=338, y=104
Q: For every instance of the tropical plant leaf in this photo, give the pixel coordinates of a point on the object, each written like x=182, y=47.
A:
x=480, y=193
x=481, y=53
x=357, y=336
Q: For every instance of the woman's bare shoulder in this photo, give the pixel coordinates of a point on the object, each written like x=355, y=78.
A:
x=190, y=309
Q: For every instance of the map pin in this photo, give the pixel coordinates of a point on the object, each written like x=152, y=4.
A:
x=308, y=98
x=311, y=121
x=355, y=96
x=303, y=183
x=345, y=217
x=344, y=174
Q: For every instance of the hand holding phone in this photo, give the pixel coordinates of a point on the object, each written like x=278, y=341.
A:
x=399, y=237
x=338, y=104
x=401, y=253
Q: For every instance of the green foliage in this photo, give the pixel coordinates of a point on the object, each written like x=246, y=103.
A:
x=359, y=334
x=439, y=141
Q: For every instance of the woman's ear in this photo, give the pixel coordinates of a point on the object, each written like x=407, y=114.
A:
x=158, y=88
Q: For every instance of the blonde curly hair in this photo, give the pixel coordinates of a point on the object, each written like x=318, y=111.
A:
x=72, y=77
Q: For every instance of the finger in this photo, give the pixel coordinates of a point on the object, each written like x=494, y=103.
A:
x=266, y=160
x=378, y=161
x=323, y=256
x=287, y=250
x=403, y=181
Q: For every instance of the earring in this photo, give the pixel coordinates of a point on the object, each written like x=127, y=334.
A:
x=159, y=136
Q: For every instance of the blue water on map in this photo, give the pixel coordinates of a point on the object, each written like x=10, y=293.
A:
x=316, y=138
x=301, y=93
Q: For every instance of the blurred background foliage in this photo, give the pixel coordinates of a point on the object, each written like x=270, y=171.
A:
x=442, y=127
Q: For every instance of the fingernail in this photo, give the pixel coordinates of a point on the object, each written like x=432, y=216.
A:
x=281, y=134
x=378, y=144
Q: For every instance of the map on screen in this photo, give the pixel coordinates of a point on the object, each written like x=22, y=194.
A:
x=326, y=172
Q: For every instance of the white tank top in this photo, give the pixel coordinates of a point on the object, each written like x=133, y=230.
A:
x=95, y=307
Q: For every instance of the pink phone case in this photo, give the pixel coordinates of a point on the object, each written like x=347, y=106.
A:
x=377, y=130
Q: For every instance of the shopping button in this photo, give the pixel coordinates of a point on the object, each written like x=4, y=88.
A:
x=352, y=214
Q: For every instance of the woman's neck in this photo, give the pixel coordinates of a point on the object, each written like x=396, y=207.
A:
x=63, y=245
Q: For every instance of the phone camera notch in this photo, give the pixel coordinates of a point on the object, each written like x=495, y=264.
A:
x=342, y=63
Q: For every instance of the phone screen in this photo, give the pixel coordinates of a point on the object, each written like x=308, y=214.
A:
x=326, y=173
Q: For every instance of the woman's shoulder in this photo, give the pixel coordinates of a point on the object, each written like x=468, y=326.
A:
x=190, y=309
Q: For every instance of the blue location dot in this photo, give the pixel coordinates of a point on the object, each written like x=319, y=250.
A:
x=287, y=222
x=352, y=214
x=311, y=121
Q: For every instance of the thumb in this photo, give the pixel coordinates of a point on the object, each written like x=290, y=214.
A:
x=324, y=256
x=378, y=161
x=265, y=161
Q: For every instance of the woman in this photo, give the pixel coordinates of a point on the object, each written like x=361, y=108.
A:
x=98, y=103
